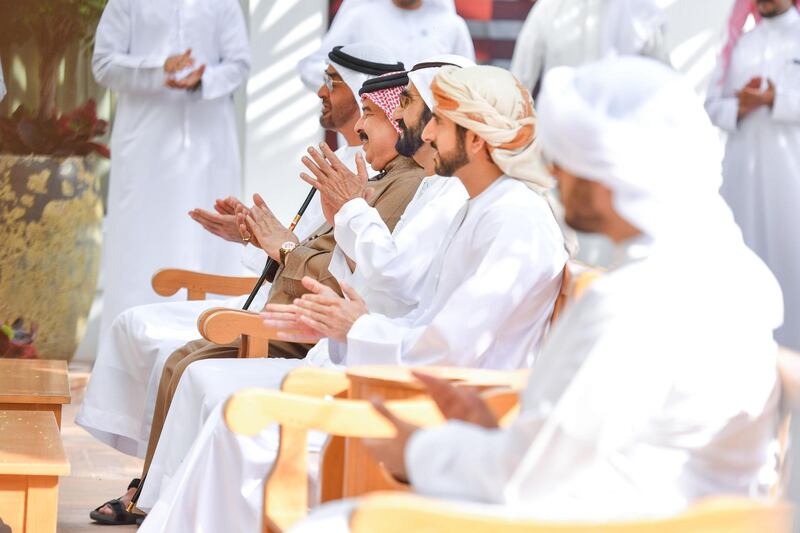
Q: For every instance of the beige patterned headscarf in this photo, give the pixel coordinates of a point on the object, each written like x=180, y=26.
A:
x=491, y=102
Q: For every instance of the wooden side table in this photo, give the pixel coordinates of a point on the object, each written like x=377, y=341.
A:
x=31, y=460
x=34, y=385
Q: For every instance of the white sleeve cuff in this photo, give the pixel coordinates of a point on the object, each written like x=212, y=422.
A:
x=349, y=211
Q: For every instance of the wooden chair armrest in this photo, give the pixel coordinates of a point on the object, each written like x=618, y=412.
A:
x=459, y=376
x=250, y=411
x=169, y=281
x=399, y=513
x=222, y=325
x=316, y=382
x=504, y=403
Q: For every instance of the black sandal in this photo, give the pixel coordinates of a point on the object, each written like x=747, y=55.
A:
x=121, y=516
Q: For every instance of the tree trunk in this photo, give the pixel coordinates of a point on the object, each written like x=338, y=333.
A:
x=48, y=82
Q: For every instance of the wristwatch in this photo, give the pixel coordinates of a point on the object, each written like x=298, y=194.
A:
x=286, y=247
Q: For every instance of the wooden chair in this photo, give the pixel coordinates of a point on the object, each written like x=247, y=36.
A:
x=250, y=411
x=396, y=512
x=31, y=460
x=399, y=513
x=219, y=325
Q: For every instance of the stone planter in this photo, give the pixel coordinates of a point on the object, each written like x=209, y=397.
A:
x=50, y=234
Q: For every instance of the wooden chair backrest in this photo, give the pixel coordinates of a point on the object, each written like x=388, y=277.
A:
x=400, y=513
x=168, y=281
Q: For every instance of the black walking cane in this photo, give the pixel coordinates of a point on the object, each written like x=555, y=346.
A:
x=270, y=269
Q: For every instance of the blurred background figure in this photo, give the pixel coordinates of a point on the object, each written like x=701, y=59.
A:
x=411, y=29
x=175, y=65
x=755, y=97
x=572, y=32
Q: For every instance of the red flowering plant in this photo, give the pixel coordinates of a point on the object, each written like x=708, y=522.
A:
x=73, y=133
x=25, y=132
x=16, y=342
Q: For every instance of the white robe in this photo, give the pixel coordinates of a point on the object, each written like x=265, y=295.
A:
x=487, y=301
x=120, y=399
x=573, y=32
x=510, y=214
x=638, y=406
x=392, y=266
x=410, y=34
x=389, y=276
x=761, y=170
x=171, y=150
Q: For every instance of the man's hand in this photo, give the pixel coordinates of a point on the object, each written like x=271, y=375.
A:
x=191, y=81
x=751, y=97
x=285, y=318
x=266, y=228
x=391, y=452
x=336, y=184
x=242, y=212
x=326, y=312
x=228, y=205
x=221, y=225
x=179, y=62
x=458, y=403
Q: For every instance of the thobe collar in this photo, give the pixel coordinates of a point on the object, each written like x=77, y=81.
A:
x=633, y=249
x=783, y=21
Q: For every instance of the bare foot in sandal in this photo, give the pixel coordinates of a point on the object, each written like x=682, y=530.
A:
x=114, y=512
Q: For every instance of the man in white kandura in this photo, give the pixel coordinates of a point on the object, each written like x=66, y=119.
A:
x=755, y=98
x=656, y=388
x=175, y=65
x=572, y=32
x=505, y=210
x=411, y=29
x=119, y=402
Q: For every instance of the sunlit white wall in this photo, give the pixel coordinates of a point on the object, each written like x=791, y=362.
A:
x=281, y=115
x=695, y=30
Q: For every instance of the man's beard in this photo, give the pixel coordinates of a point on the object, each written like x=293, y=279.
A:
x=449, y=164
x=335, y=117
x=770, y=10
x=411, y=139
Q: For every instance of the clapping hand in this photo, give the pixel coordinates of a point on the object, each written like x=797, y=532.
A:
x=458, y=403
x=335, y=182
x=222, y=222
x=259, y=225
x=324, y=311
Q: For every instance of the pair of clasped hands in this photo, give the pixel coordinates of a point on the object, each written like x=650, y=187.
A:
x=179, y=64
x=752, y=96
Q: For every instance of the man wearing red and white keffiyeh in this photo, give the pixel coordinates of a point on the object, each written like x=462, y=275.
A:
x=755, y=97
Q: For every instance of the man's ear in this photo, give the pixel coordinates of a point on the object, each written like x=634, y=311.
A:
x=475, y=144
